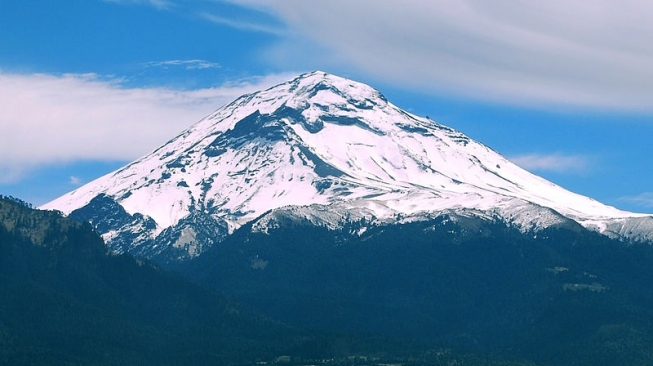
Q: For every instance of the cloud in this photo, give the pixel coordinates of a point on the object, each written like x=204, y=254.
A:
x=159, y=4
x=241, y=25
x=587, y=53
x=63, y=118
x=187, y=64
x=552, y=163
x=75, y=180
x=642, y=200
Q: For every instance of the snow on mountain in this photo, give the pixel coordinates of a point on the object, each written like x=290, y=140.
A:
x=327, y=141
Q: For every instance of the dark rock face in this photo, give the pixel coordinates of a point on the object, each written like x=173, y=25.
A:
x=106, y=216
x=191, y=236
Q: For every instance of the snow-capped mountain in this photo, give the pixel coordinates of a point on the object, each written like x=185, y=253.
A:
x=327, y=149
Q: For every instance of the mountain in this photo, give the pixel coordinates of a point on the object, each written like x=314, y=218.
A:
x=321, y=205
x=325, y=149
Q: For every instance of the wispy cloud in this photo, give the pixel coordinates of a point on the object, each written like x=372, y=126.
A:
x=159, y=4
x=75, y=180
x=62, y=118
x=242, y=25
x=643, y=200
x=558, y=163
x=588, y=53
x=187, y=64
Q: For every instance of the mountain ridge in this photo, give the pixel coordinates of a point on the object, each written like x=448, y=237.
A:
x=324, y=140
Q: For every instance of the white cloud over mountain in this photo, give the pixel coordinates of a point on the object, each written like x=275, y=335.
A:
x=558, y=163
x=642, y=200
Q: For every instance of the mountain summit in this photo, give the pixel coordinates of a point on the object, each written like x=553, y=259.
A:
x=326, y=149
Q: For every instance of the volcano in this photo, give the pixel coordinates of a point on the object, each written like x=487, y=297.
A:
x=328, y=150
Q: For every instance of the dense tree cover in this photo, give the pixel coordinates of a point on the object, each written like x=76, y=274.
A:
x=562, y=296
x=448, y=291
x=66, y=301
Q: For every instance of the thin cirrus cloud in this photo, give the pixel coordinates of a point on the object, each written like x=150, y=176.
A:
x=247, y=26
x=557, y=163
x=186, y=64
x=583, y=54
x=159, y=4
x=62, y=118
x=642, y=200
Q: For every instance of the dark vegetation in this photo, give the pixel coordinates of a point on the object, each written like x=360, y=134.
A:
x=450, y=291
x=563, y=296
x=65, y=301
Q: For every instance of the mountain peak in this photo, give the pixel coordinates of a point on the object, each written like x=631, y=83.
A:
x=318, y=90
x=310, y=84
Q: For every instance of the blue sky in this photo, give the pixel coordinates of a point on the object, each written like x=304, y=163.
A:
x=564, y=89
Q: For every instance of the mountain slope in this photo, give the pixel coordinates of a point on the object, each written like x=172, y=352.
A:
x=320, y=140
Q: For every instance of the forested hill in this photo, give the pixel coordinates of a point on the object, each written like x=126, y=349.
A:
x=65, y=300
